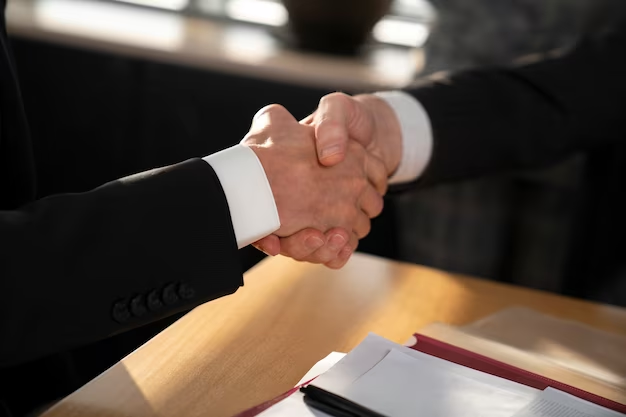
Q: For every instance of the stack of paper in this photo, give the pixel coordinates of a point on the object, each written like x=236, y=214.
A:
x=397, y=381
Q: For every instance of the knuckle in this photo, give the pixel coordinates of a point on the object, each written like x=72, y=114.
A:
x=334, y=97
x=276, y=108
x=261, y=111
x=272, y=110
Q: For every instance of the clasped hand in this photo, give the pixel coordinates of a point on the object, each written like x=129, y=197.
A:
x=326, y=186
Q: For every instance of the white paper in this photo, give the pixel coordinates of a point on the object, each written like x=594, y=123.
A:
x=379, y=368
x=555, y=403
x=404, y=386
x=375, y=348
x=322, y=366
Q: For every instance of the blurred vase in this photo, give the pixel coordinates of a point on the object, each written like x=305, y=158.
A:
x=333, y=26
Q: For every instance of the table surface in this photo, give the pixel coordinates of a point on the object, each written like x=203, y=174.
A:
x=236, y=352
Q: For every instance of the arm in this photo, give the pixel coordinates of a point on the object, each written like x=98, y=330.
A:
x=484, y=121
x=75, y=268
x=79, y=267
x=489, y=120
x=492, y=120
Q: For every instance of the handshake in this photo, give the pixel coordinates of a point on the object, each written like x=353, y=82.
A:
x=328, y=173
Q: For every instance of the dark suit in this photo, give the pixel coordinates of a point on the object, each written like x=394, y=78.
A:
x=77, y=268
x=497, y=119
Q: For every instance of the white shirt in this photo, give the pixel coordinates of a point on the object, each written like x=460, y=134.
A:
x=252, y=207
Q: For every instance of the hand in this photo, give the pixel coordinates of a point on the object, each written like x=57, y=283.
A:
x=309, y=195
x=368, y=120
x=333, y=248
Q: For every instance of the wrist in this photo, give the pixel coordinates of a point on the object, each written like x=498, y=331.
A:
x=263, y=151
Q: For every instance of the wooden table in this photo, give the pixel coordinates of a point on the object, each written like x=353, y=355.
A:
x=238, y=351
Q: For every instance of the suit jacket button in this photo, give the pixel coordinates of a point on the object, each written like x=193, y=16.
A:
x=120, y=312
x=186, y=292
x=154, y=301
x=170, y=295
x=138, y=306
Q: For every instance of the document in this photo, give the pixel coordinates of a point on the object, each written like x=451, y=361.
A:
x=405, y=386
x=398, y=381
x=555, y=403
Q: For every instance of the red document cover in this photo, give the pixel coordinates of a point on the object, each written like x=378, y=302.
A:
x=478, y=362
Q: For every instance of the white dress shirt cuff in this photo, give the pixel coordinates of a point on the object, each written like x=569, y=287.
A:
x=250, y=200
x=417, y=137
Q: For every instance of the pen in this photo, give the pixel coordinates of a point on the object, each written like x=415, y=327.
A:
x=334, y=404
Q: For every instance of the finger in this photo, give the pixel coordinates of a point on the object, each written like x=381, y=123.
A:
x=331, y=121
x=345, y=254
x=371, y=203
x=361, y=225
x=336, y=240
x=341, y=259
x=270, y=245
x=308, y=120
x=376, y=172
x=302, y=244
x=339, y=118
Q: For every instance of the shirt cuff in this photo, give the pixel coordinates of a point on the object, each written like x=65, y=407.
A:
x=417, y=137
x=252, y=207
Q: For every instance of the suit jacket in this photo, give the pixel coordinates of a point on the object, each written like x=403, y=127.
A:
x=490, y=120
x=77, y=268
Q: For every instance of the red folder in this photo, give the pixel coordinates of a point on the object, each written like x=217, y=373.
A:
x=478, y=362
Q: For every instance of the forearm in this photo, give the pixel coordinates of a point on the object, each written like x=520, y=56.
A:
x=493, y=120
x=77, y=268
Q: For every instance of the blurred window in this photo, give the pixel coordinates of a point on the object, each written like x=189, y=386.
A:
x=406, y=25
x=175, y=5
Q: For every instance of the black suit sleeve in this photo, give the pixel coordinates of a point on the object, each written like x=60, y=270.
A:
x=497, y=119
x=76, y=268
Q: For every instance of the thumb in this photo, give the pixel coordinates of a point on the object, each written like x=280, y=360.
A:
x=331, y=121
